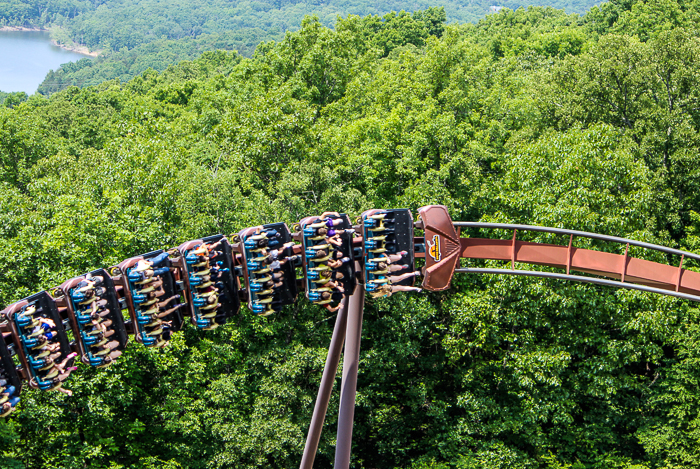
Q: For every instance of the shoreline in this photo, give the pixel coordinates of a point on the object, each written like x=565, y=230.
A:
x=77, y=49
x=21, y=28
x=83, y=50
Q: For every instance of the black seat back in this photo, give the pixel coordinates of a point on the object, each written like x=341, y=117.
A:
x=392, y=231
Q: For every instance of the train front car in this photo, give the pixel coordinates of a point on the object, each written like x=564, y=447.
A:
x=388, y=249
x=329, y=264
x=93, y=305
x=41, y=340
x=154, y=294
x=210, y=283
x=269, y=267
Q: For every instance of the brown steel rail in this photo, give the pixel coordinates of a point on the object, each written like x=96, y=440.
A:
x=445, y=246
x=631, y=272
x=575, y=233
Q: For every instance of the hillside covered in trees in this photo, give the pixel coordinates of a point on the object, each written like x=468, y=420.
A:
x=135, y=35
x=533, y=116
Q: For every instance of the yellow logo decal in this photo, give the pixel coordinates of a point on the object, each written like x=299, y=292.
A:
x=434, y=248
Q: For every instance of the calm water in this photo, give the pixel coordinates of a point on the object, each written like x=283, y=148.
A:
x=26, y=57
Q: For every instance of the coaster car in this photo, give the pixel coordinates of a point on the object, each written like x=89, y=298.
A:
x=92, y=304
x=327, y=246
x=388, y=241
x=208, y=269
x=268, y=267
x=149, y=280
x=36, y=324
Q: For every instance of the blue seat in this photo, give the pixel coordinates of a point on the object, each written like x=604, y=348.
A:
x=44, y=385
x=133, y=275
x=88, y=339
x=82, y=319
x=314, y=296
x=30, y=342
x=94, y=361
x=77, y=296
x=23, y=321
x=371, y=244
x=36, y=363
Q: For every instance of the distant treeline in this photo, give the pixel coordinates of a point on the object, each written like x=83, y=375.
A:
x=157, y=55
x=12, y=99
x=115, y=24
x=138, y=34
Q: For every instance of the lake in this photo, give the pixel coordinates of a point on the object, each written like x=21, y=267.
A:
x=26, y=57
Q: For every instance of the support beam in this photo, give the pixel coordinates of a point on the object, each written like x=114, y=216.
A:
x=326, y=388
x=351, y=360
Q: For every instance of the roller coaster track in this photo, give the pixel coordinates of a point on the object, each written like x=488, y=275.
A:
x=243, y=276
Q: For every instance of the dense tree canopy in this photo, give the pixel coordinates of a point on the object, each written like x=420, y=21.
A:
x=530, y=116
x=134, y=35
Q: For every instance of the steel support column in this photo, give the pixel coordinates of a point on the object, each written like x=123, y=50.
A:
x=351, y=359
x=326, y=388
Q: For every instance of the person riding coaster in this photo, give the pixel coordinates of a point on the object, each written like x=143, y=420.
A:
x=193, y=259
x=151, y=286
x=374, y=241
x=382, y=268
x=382, y=217
x=88, y=287
x=388, y=258
x=337, y=263
x=320, y=256
x=147, y=268
x=204, y=300
x=334, y=285
x=320, y=295
x=378, y=223
x=27, y=322
x=255, y=244
x=44, y=327
x=27, y=312
x=9, y=406
x=43, y=345
x=315, y=251
x=206, y=251
x=170, y=311
x=327, y=222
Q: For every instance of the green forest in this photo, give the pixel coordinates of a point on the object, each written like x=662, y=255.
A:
x=134, y=35
x=532, y=116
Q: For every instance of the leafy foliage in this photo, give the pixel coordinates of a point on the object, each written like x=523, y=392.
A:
x=530, y=116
